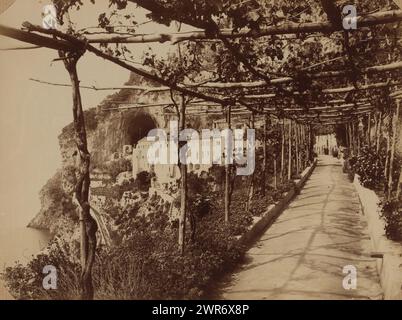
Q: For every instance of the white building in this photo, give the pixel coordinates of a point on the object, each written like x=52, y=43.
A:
x=139, y=156
x=202, y=153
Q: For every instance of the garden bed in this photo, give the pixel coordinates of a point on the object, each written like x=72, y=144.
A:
x=389, y=253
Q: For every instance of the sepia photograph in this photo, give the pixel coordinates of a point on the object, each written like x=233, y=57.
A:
x=200, y=155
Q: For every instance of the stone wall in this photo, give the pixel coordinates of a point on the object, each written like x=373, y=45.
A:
x=388, y=253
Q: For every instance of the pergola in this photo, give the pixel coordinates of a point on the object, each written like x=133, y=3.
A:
x=245, y=101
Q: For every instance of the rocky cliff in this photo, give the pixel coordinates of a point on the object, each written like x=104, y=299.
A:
x=58, y=213
x=121, y=119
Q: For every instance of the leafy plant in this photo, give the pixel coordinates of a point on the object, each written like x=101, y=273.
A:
x=391, y=212
x=369, y=165
x=147, y=265
x=143, y=180
x=115, y=167
x=58, y=201
x=25, y=281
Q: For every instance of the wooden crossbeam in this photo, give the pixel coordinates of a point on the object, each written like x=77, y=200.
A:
x=238, y=85
x=326, y=27
x=203, y=104
x=363, y=87
x=35, y=39
x=326, y=74
x=335, y=115
x=324, y=111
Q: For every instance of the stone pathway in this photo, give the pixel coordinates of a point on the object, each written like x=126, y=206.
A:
x=302, y=255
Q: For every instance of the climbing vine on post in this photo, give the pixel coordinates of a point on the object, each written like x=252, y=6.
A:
x=87, y=223
x=228, y=157
x=183, y=182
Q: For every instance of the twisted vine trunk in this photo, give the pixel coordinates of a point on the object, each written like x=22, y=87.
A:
x=227, y=168
x=310, y=144
x=87, y=223
x=264, y=159
x=378, y=137
x=183, y=184
x=369, y=129
x=296, y=138
x=282, y=150
x=393, y=144
x=290, y=151
x=250, y=192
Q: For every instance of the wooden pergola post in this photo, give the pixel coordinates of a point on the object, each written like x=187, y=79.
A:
x=290, y=151
x=399, y=187
x=379, y=133
x=310, y=144
x=283, y=150
x=354, y=137
x=275, y=173
x=265, y=155
x=183, y=183
x=296, y=137
x=393, y=143
x=251, y=183
x=350, y=128
x=88, y=225
x=227, y=166
x=376, y=121
x=358, y=137
x=357, y=132
x=399, y=146
x=305, y=146
x=387, y=154
x=302, y=158
x=369, y=129
x=301, y=148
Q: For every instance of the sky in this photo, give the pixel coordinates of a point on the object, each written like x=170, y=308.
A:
x=32, y=114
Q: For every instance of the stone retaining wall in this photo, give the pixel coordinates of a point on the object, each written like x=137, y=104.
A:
x=389, y=267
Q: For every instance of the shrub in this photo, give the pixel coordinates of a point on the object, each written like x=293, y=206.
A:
x=58, y=200
x=25, y=281
x=69, y=174
x=115, y=167
x=91, y=120
x=147, y=265
x=397, y=166
x=143, y=180
x=369, y=165
x=391, y=212
x=201, y=205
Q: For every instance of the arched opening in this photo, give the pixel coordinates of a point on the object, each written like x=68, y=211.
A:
x=138, y=127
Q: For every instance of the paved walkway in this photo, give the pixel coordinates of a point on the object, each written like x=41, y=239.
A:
x=301, y=256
